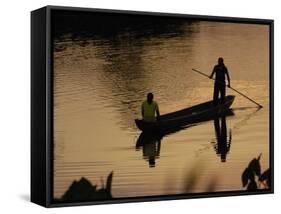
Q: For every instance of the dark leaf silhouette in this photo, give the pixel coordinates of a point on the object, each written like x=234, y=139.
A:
x=109, y=182
x=83, y=190
x=265, y=176
x=191, y=180
x=79, y=190
x=246, y=176
x=252, y=185
x=255, y=166
x=212, y=185
x=252, y=174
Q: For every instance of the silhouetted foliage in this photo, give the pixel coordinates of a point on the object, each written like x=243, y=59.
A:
x=252, y=176
x=83, y=190
x=255, y=166
x=192, y=178
x=266, y=177
x=247, y=176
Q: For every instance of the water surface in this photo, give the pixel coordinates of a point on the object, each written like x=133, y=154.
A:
x=100, y=83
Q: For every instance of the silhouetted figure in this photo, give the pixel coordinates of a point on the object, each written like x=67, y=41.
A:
x=149, y=108
x=220, y=71
x=151, y=145
x=223, y=146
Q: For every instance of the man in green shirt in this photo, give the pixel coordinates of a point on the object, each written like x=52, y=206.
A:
x=149, y=108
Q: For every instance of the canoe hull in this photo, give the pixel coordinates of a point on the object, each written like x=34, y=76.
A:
x=199, y=113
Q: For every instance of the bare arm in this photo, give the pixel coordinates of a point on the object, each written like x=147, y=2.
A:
x=227, y=75
x=213, y=72
x=157, y=110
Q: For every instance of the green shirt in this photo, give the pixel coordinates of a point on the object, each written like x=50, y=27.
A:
x=149, y=110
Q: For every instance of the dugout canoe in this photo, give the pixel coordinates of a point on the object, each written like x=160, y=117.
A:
x=195, y=114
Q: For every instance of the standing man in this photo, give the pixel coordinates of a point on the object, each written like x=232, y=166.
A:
x=220, y=70
x=149, y=108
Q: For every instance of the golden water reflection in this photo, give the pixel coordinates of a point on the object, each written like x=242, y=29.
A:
x=99, y=84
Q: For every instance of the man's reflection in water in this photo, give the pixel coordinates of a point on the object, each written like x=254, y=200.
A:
x=222, y=145
x=150, y=148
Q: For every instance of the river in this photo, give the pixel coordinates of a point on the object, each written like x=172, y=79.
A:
x=101, y=81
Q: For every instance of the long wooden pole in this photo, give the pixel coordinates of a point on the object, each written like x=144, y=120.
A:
x=260, y=106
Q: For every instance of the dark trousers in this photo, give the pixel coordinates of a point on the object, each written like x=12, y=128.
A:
x=219, y=89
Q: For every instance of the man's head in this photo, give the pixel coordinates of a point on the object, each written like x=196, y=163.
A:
x=149, y=97
x=220, y=61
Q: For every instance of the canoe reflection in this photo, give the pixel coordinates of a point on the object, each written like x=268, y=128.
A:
x=222, y=146
x=150, y=142
x=150, y=145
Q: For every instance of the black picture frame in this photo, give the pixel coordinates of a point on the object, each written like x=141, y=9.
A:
x=42, y=107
